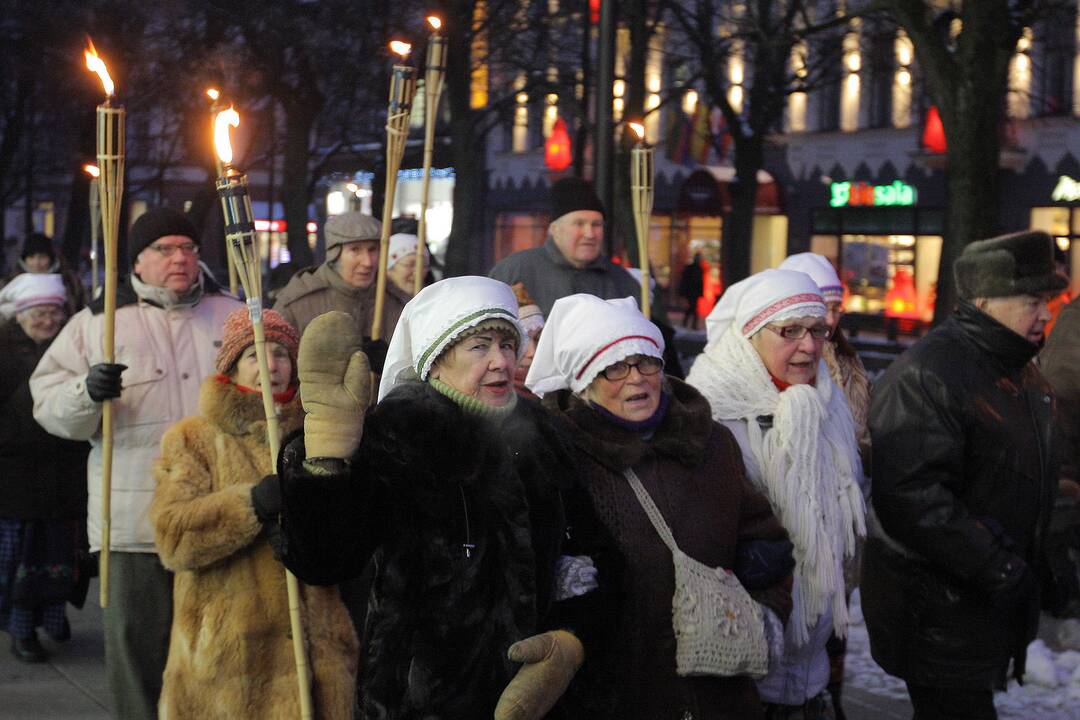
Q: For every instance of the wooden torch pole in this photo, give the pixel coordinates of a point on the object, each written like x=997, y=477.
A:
x=641, y=195
x=434, y=72
x=110, y=155
x=232, y=188
x=402, y=90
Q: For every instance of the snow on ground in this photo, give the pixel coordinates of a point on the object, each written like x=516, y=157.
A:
x=1051, y=689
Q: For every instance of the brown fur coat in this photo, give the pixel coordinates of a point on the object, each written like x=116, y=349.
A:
x=230, y=652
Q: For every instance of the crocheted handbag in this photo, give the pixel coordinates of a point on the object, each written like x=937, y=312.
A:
x=719, y=628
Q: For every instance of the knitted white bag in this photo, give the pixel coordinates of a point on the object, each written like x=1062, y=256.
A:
x=719, y=628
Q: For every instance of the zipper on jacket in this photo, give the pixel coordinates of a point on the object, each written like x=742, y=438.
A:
x=468, y=545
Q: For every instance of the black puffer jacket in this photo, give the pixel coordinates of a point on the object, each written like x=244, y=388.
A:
x=465, y=518
x=42, y=476
x=964, y=477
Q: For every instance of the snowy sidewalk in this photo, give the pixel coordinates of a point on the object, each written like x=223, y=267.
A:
x=1051, y=690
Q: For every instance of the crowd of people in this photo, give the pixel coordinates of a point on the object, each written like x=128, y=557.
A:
x=517, y=507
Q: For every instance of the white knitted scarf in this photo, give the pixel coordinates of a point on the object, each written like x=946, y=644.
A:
x=809, y=465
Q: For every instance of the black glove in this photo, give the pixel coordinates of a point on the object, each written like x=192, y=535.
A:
x=103, y=381
x=376, y=353
x=760, y=564
x=1010, y=584
x=266, y=499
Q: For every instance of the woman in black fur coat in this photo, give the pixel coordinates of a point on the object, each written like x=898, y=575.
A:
x=464, y=497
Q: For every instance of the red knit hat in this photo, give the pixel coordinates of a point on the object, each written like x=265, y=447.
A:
x=238, y=334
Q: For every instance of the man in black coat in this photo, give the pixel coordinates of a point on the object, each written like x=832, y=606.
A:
x=964, y=480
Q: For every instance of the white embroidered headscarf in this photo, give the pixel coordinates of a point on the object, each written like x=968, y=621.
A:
x=808, y=461
x=585, y=334
x=439, y=313
x=820, y=270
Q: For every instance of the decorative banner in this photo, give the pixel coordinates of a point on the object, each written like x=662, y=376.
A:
x=861, y=194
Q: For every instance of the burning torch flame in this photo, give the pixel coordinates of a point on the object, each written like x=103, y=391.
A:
x=213, y=93
x=224, y=119
x=400, y=48
x=96, y=64
x=638, y=129
x=435, y=22
x=91, y=170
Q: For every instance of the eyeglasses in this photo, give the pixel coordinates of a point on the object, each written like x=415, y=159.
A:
x=647, y=365
x=189, y=249
x=44, y=313
x=798, y=332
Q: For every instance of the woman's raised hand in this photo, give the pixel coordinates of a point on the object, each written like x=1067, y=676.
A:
x=335, y=385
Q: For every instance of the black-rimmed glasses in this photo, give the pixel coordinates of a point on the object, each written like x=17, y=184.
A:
x=647, y=365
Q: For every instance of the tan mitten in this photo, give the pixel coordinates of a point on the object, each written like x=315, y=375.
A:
x=551, y=659
x=335, y=385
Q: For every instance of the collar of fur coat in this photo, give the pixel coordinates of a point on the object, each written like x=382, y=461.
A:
x=682, y=435
x=240, y=412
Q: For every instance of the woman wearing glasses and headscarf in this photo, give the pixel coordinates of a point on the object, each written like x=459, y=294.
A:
x=599, y=366
x=763, y=375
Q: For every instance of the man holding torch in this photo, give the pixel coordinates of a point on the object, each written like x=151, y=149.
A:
x=169, y=320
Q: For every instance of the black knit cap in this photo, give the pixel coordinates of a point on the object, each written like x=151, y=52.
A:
x=157, y=223
x=1021, y=263
x=573, y=193
x=38, y=243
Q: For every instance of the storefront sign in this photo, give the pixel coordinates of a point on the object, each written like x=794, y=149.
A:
x=1066, y=190
x=861, y=194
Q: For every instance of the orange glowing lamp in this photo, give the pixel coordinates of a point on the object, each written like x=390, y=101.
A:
x=901, y=300
x=97, y=65
x=401, y=49
x=213, y=93
x=91, y=170
x=557, y=149
x=435, y=22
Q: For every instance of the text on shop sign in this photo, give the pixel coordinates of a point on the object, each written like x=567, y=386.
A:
x=861, y=194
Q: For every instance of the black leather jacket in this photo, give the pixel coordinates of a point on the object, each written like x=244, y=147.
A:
x=964, y=479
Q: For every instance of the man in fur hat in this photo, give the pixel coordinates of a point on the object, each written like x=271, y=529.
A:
x=964, y=481
x=345, y=282
x=572, y=260
x=169, y=315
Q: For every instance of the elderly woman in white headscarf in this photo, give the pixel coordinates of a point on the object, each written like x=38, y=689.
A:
x=456, y=488
x=402, y=263
x=599, y=367
x=763, y=376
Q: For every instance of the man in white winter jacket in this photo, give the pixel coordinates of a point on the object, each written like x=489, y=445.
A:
x=169, y=321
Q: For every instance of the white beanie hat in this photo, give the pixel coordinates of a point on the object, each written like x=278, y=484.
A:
x=768, y=296
x=402, y=245
x=437, y=316
x=821, y=270
x=583, y=335
x=28, y=290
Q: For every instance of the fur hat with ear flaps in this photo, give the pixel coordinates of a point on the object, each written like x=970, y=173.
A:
x=1020, y=263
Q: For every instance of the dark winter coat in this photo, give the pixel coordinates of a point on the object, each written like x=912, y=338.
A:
x=693, y=470
x=41, y=476
x=1060, y=364
x=964, y=478
x=465, y=519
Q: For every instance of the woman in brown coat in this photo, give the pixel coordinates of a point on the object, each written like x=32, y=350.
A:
x=598, y=366
x=230, y=652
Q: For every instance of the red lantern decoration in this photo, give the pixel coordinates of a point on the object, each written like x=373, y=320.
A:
x=557, y=152
x=594, y=11
x=933, y=136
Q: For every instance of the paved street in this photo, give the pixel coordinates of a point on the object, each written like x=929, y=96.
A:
x=71, y=686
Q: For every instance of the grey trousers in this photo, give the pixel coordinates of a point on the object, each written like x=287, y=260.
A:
x=137, y=624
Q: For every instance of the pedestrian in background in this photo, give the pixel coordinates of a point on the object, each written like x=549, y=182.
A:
x=965, y=473
x=38, y=256
x=691, y=288
x=763, y=375
x=42, y=481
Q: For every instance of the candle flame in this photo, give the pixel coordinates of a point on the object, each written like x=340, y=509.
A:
x=222, y=143
x=213, y=93
x=401, y=48
x=91, y=170
x=96, y=64
x=638, y=129
x=435, y=22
